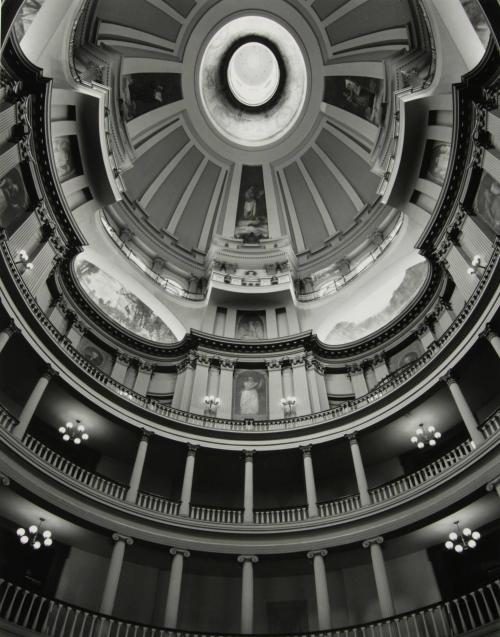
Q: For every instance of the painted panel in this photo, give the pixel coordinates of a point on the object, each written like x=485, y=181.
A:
x=24, y=19
x=476, y=16
x=120, y=304
x=67, y=157
x=14, y=200
x=406, y=356
x=391, y=299
x=250, y=394
x=361, y=96
x=435, y=162
x=487, y=201
x=95, y=355
x=143, y=92
x=251, y=216
x=250, y=325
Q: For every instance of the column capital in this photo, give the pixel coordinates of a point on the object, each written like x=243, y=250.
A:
x=273, y=364
x=491, y=486
x=192, y=449
x=352, y=437
x=320, y=552
x=49, y=372
x=146, y=434
x=253, y=559
x=123, y=358
x=4, y=480
x=449, y=378
x=249, y=454
x=226, y=363
x=11, y=328
x=145, y=366
x=175, y=551
x=117, y=537
x=306, y=449
x=488, y=332
x=374, y=540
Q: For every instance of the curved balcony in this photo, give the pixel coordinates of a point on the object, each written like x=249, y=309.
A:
x=479, y=609
x=345, y=508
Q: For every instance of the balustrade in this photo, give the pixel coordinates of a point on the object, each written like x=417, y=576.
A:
x=50, y=617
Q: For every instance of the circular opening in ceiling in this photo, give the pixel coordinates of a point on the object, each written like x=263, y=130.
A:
x=253, y=74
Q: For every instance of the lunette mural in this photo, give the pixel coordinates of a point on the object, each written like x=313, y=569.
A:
x=251, y=217
x=250, y=325
x=120, y=304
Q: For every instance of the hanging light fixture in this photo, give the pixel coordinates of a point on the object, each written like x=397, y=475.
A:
x=35, y=536
x=74, y=432
x=476, y=267
x=425, y=436
x=24, y=261
x=288, y=404
x=211, y=403
x=462, y=539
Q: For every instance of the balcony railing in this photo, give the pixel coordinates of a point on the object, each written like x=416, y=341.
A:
x=344, y=505
x=51, y=617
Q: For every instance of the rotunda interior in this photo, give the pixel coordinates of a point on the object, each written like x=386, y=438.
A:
x=249, y=318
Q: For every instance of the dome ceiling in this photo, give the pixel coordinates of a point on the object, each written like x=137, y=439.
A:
x=253, y=122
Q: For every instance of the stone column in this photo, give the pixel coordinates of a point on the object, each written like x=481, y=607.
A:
x=425, y=335
x=359, y=469
x=200, y=384
x=248, y=487
x=187, y=389
x=324, y=403
x=247, y=562
x=358, y=382
x=174, y=587
x=187, y=483
x=226, y=388
x=321, y=586
x=380, y=367
x=380, y=573
x=7, y=333
x=179, y=384
x=465, y=411
x=120, y=367
x=312, y=498
x=143, y=378
x=275, y=390
x=303, y=406
x=287, y=382
x=113, y=575
x=490, y=335
x=32, y=403
x=140, y=457
x=75, y=332
x=494, y=484
x=312, y=385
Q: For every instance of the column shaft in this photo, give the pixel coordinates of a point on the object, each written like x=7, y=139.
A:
x=301, y=389
x=187, y=483
x=359, y=471
x=225, y=389
x=248, y=488
x=174, y=588
x=381, y=580
x=31, y=405
x=313, y=387
x=6, y=334
x=312, y=498
x=465, y=411
x=135, y=478
x=113, y=576
x=321, y=586
x=247, y=592
x=187, y=388
x=493, y=338
x=275, y=390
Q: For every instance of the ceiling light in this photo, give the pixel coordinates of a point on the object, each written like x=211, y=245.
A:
x=74, y=432
x=35, y=536
x=425, y=436
x=462, y=539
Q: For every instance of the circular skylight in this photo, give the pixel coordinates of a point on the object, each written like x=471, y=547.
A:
x=253, y=74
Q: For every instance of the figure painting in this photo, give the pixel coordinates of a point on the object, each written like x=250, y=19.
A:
x=120, y=304
x=251, y=217
x=487, y=201
x=475, y=14
x=66, y=156
x=26, y=14
x=14, y=200
x=250, y=394
x=436, y=160
x=406, y=356
x=95, y=355
x=143, y=92
x=250, y=325
x=361, y=96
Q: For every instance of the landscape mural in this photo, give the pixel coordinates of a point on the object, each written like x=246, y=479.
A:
x=143, y=92
x=399, y=299
x=250, y=325
x=14, y=200
x=487, y=201
x=436, y=160
x=67, y=157
x=361, y=96
x=250, y=394
x=121, y=305
x=251, y=216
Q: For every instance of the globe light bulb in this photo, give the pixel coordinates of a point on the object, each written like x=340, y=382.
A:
x=69, y=425
x=48, y=541
x=472, y=544
x=471, y=271
x=437, y=435
x=453, y=536
x=20, y=532
x=85, y=436
x=66, y=437
x=62, y=430
x=414, y=440
x=33, y=528
x=476, y=535
x=81, y=428
x=420, y=445
x=432, y=443
x=467, y=531
x=29, y=266
x=449, y=544
x=476, y=260
x=420, y=431
x=25, y=539
x=47, y=534
x=431, y=429
x=37, y=545
x=77, y=441
x=459, y=548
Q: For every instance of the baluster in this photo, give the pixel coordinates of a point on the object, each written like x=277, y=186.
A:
x=82, y=632
x=11, y=605
x=34, y=597
x=478, y=608
x=486, y=605
x=73, y=624
x=21, y=604
x=469, y=612
x=49, y=615
x=65, y=620
x=463, y=626
x=494, y=597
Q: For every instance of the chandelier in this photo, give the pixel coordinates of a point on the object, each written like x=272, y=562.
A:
x=35, y=536
x=462, y=539
x=75, y=433
x=425, y=436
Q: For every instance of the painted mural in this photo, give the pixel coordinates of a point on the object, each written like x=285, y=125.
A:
x=250, y=325
x=67, y=157
x=14, y=200
x=24, y=19
x=143, y=92
x=397, y=301
x=436, y=160
x=487, y=201
x=476, y=16
x=95, y=355
x=121, y=305
x=250, y=394
x=251, y=216
x=406, y=356
x=361, y=96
